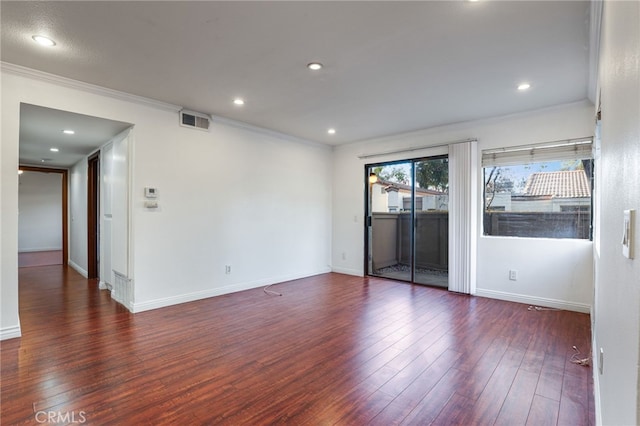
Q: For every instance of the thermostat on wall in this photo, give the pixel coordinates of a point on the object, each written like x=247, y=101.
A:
x=150, y=192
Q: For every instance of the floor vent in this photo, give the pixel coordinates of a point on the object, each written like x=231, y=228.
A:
x=194, y=120
x=121, y=292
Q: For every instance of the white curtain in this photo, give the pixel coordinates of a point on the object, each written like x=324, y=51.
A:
x=463, y=217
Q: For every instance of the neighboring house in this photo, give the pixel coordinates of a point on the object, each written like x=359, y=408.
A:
x=562, y=191
x=396, y=197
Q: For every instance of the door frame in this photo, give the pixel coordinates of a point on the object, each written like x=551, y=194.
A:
x=65, y=223
x=93, y=220
x=368, y=196
x=368, y=213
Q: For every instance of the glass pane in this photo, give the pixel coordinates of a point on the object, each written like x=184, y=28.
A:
x=550, y=199
x=390, y=230
x=432, y=222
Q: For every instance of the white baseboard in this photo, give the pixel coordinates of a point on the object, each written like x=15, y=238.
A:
x=347, y=271
x=204, y=294
x=122, y=301
x=596, y=379
x=10, y=332
x=78, y=268
x=533, y=300
x=102, y=285
x=37, y=249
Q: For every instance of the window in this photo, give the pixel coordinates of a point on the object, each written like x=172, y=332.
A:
x=542, y=191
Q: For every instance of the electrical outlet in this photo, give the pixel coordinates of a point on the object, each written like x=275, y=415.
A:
x=344, y=256
x=601, y=360
x=513, y=275
x=227, y=269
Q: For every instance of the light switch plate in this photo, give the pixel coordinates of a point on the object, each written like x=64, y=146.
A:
x=628, y=233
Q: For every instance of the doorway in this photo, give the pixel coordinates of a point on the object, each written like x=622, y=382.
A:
x=407, y=214
x=42, y=225
x=93, y=216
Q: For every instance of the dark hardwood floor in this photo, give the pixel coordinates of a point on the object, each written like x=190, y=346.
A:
x=334, y=349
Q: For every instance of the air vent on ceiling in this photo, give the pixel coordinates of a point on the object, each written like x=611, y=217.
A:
x=194, y=120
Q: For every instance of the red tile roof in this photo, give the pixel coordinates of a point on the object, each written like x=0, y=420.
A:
x=564, y=184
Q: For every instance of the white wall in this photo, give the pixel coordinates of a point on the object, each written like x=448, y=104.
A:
x=571, y=284
x=276, y=226
x=10, y=111
x=617, y=288
x=78, y=217
x=40, y=211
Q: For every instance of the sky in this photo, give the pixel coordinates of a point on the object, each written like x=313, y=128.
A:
x=517, y=174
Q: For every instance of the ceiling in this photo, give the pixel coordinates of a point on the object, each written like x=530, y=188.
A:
x=42, y=129
x=389, y=67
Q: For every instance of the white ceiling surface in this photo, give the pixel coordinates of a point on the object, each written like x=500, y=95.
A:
x=41, y=129
x=389, y=67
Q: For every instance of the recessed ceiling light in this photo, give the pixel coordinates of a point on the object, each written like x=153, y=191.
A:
x=524, y=86
x=54, y=149
x=20, y=172
x=45, y=159
x=43, y=41
x=331, y=131
x=314, y=66
x=238, y=101
x=68, y=132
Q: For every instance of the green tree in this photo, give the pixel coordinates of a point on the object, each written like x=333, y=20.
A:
x=392, y=174
x=433, y=174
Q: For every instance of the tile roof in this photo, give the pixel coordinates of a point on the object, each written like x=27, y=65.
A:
x=563, y=184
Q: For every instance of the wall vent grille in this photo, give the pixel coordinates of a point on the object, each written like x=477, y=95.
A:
x=194, y=120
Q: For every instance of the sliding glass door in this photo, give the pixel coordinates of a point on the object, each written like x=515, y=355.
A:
x=407, y=220
x=431, y=221
x=390, y=189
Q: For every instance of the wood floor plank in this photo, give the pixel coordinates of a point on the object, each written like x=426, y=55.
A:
x=488, y=405
x=550, y=381
x=482, y=371
x=544, y=412
x=423, y=397
x=574, y=405
x=454, y=412
x=334, y=349
x=434, y=402
x=517, y=404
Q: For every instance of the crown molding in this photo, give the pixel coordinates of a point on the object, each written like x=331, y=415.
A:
x=267, y=132
x=127, y=97
x=85, y=87
x=465, y=125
